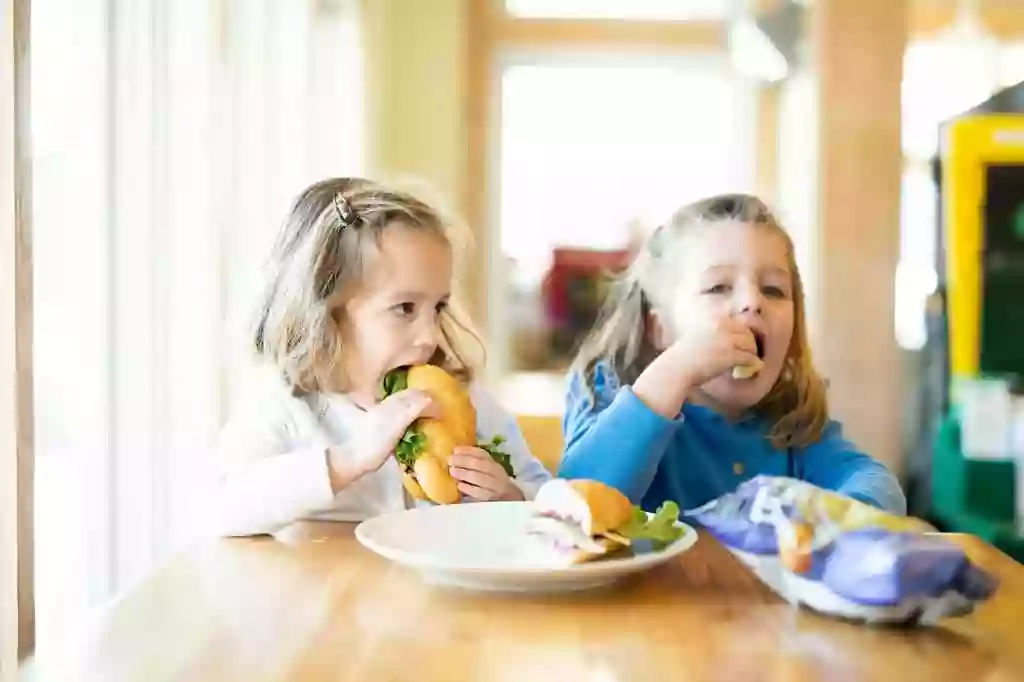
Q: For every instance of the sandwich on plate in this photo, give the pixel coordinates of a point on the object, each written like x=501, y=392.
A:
x=583, y=520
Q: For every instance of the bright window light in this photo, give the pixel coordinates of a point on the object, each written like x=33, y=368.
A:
x=620, y=9
x=591, y=154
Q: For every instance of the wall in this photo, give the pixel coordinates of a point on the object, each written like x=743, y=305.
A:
x=858, y=49
x=415, y=56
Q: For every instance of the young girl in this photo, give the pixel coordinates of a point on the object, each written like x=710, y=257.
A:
x=360, y=284
x=654, y=407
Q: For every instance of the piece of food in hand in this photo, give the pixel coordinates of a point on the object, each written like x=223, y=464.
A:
x=426, y=448
x=751, y=370
x=747, y=371
x=584, y=519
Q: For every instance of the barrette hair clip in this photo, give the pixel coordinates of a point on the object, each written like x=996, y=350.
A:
x=656, y=243
x=346, y=214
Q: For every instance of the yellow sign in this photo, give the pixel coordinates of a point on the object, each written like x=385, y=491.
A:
x=971, y=144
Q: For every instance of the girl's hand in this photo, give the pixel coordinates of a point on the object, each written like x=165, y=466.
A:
x=704, y=352
x=385, y=425
x=481, y=478
x=698, y=355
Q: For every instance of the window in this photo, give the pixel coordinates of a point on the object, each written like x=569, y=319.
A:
x=941, y=80
x=798, y=176
x=72, y=271
x=596, y=152
x=168, y=147
x=1011, y=65
x=915, y=273
x=666, y=10
x=573, y=174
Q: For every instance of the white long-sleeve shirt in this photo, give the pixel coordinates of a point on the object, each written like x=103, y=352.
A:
x=273, y=463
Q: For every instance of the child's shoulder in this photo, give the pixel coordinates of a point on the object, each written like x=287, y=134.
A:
x=260, y=388
x=832, y=437
x=596, y=386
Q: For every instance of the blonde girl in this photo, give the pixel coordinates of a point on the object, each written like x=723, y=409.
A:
x=698, y=374
x=360, y=284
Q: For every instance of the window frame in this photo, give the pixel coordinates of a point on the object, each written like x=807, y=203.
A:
x=17, y=604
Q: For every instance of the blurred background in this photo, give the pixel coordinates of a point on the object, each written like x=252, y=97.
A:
x=169, y=138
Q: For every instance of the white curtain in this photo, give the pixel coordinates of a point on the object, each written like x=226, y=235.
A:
x=170, y=138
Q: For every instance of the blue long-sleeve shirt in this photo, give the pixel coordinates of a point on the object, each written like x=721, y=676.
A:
x=617, y=439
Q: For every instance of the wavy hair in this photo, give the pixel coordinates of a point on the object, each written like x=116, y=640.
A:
x=318, y=260
x=796, y=405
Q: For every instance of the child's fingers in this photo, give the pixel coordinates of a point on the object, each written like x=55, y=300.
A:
x=432, y=410
x=483, y=479
x=406, y=406
x=744, y=340
x=473, y=459
x=745, y=356
x=477, y=493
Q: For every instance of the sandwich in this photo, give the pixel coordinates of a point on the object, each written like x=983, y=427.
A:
x=425, y=449
x=751, y=370
x=582, y=520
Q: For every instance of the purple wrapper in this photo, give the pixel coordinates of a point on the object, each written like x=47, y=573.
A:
x=861, y=555
x=878, y=567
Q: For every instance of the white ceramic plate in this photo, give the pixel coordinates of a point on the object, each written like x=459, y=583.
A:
x=486, y=547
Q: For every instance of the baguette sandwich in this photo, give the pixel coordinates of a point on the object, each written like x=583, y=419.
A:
x=426, y=448
x=582, y=520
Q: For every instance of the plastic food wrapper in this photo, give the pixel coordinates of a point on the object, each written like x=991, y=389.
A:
x=841, y=557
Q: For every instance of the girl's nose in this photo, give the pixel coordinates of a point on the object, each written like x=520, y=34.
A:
x=755, y=309
x=428, y=335
x=748, y=300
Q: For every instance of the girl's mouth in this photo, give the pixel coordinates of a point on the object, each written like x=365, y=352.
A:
x=759, y=340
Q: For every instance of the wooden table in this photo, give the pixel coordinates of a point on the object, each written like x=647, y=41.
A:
x=314, y=605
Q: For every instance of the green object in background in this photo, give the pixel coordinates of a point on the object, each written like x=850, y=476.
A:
x=974, y=496
x=1018, y=222
x=1002, y=322
x=1002, y=270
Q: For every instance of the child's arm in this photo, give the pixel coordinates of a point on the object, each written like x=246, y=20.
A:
x=279, y=464
x=494, y=420
x=614, y=438
x=834, y=463
x=263, y=484
x=266, y=483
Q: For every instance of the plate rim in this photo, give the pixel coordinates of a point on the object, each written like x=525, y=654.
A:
x=588, y=568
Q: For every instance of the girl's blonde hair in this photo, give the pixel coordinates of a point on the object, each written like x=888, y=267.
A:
x=316, y=264
x=622, y=339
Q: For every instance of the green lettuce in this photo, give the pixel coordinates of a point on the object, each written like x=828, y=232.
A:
x=659, y=528
x=503, y=458
x=410, y=446
x=396, y=380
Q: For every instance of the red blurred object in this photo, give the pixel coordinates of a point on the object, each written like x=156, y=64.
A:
x=573, y=290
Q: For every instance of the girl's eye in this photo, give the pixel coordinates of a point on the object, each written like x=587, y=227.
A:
x=717, y=289
x=773, y=292
x=405, y=309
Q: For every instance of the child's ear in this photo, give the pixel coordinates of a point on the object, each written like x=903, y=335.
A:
x=658, y=330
